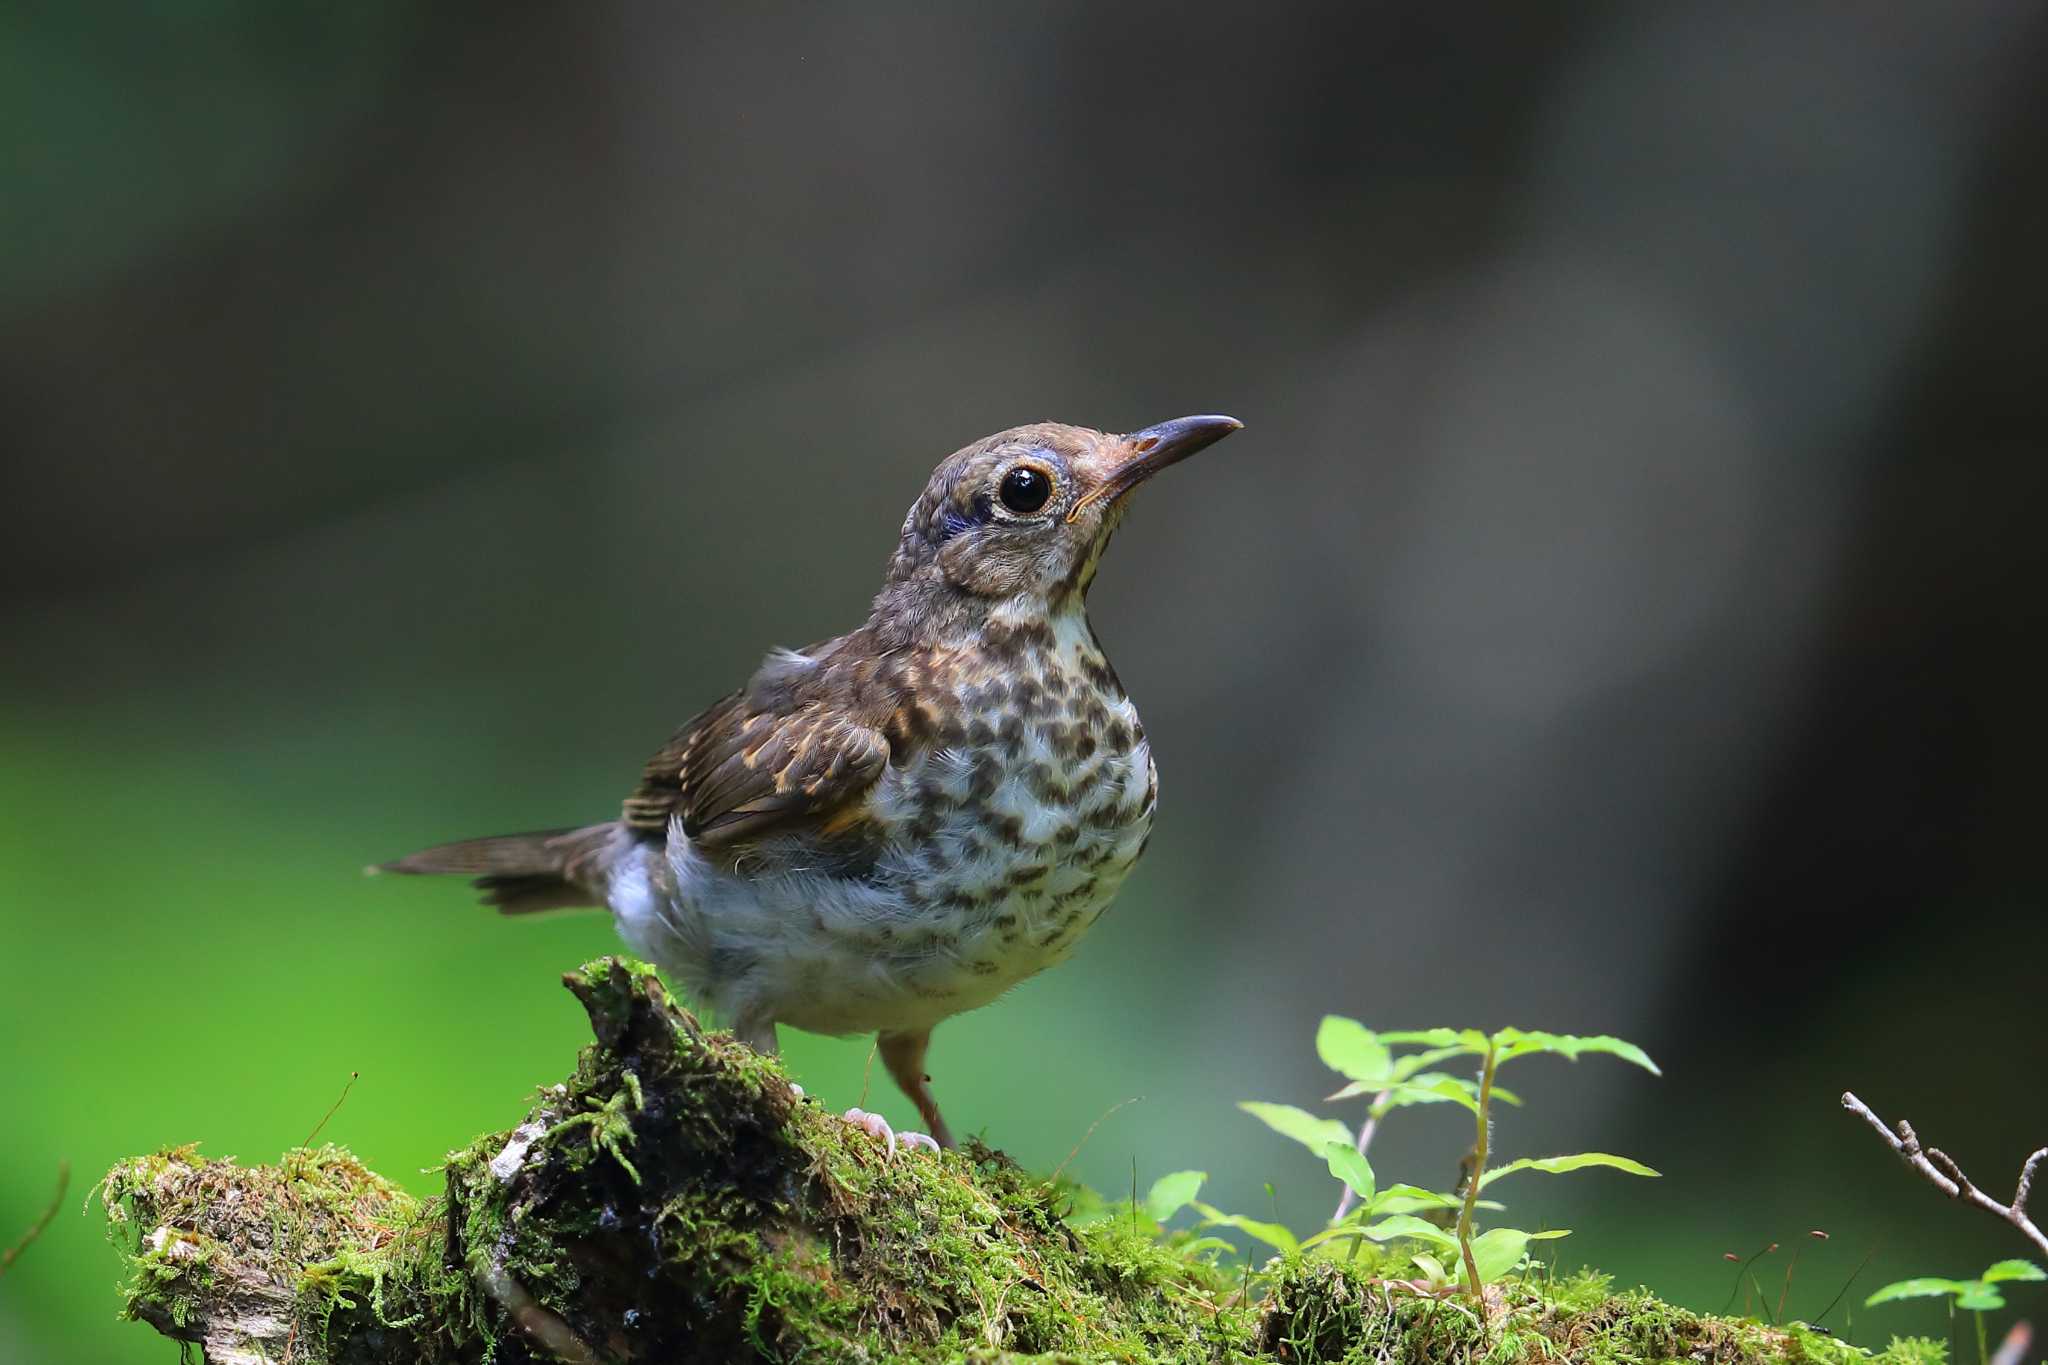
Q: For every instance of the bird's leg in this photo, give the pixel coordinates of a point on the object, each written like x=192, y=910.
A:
x=757, y=1032
x=903, y=1054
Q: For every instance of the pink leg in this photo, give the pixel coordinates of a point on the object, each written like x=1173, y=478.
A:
x=903, y=1054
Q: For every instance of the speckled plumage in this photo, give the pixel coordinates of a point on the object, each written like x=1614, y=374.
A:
x=891, y=827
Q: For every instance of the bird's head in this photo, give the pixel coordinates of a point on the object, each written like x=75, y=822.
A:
x=1017, y=521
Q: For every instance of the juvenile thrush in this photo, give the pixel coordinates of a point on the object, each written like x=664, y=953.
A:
x=891, y=827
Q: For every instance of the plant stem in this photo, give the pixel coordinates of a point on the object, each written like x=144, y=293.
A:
x=1983, y=1351
x=1478, y=1169
x=7, y=1258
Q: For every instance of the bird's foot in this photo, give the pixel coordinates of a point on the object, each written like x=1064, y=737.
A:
x=878, y=1128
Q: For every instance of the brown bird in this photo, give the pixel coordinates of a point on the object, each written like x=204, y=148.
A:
x=891, y=827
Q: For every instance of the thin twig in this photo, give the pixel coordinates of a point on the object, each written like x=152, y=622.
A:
x=1943, y=1173
x=2013, y=1349
x=347, y=1086
x=1089, y=1134
x=1365, y=1132
x=63, y=1183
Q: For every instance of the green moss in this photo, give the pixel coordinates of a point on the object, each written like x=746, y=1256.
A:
x=319, y=1234
x=674, y=1200
x=1321, y=1313
x=1914, y=1351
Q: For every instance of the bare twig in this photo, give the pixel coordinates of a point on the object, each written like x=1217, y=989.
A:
x=1943, y=1173
x=7, y=1258
x=2013, y=1349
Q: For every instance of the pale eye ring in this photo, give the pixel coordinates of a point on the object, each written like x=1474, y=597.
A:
x=1025, y=489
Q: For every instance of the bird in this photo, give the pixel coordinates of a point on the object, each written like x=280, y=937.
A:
x=891, y=827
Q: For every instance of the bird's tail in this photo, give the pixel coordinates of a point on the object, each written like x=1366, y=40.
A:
x=523, y=874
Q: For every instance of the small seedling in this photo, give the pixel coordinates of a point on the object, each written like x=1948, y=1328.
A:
x=1371, y=1066
x=1978, y=1296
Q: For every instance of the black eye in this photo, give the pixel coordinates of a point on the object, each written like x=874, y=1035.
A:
x=1025, y=489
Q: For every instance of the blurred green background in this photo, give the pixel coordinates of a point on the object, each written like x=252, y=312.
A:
x=1622, y=613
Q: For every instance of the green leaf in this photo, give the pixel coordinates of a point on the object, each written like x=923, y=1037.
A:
x=1197, y=1246
x=1461, y=1040
x=1432, y=1269
x=1980, y=1297
x=1500, y=1250
x=2013, y=1270
x=1497, y=1251
x=1514, y=1042
x=1172, y=1193
x=1401, y=1094
x=1349, y=1165
x=1397, y=1204
x=1409, y=1198
x=1404, y=1067
x=1346, y=1231
x=1272, y=1234
x=1558, y=1165
x=1402, y=1225
x=1304, y=1127
x=1351, y=1049
x=1433, y=1088
x=1916, y=1289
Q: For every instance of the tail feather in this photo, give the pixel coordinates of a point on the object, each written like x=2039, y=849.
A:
x=535, y=895
x=521, y=874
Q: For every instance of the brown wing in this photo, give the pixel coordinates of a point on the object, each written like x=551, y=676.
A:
x=743, y=768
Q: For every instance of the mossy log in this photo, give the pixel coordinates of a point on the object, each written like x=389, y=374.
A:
x=676, y=1200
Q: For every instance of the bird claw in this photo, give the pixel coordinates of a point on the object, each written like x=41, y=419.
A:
x=877, y=1127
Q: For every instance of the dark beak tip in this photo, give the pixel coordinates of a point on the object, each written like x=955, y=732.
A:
x=1214, y=422
x=1165, y=442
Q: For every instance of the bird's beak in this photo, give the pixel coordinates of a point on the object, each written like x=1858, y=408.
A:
x=1147, y=452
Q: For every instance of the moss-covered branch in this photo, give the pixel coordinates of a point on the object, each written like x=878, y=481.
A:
x=676, y=1201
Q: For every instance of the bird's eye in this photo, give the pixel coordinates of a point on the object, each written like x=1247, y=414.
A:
x=1025, y=489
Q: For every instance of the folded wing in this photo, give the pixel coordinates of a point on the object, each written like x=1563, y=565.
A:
x=752, y=765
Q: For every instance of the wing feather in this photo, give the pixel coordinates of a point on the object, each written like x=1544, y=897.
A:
x=760, y=759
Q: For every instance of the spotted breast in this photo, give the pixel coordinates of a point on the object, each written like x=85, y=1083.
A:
x=1021, y=793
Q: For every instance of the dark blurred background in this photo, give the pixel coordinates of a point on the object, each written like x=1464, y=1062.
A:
x=1621, y=613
